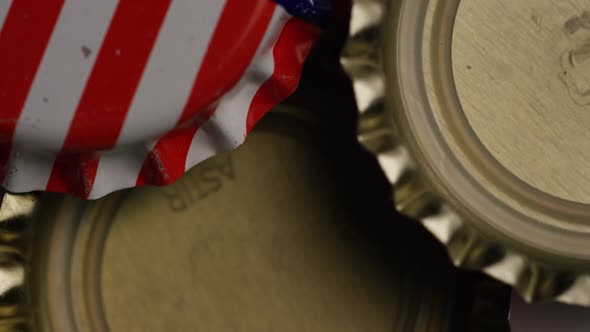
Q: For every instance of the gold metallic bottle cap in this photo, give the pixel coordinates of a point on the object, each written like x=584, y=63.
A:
x=479, y=114
x=265, y=238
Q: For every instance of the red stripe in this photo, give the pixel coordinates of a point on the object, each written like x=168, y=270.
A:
x=23, y=40
x=289, y=54
x=238, y=33
x=108, y=94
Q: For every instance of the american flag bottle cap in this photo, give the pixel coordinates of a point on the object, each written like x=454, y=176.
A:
x=97, y=96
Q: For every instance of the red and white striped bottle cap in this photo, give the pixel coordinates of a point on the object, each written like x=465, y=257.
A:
x=97, y=96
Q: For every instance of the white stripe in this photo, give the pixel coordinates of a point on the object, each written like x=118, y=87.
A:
x=57, y=88
x=164, y=88
x=118, y=169
x=226, y=129
x=27, y=172
x=4, y=8
x=171, y=70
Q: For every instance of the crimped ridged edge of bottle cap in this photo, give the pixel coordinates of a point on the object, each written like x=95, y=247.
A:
x=418, y=196
x=16, y=212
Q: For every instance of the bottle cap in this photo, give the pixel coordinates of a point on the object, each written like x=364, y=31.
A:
x=176, y=258
x=97, y=96
x=478, y=113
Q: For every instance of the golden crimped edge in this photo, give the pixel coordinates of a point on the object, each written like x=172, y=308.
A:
x=15, y=213
x=417, y=198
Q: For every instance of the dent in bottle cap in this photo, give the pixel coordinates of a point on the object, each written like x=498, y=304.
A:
x=100, y=96
x=478, y=114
